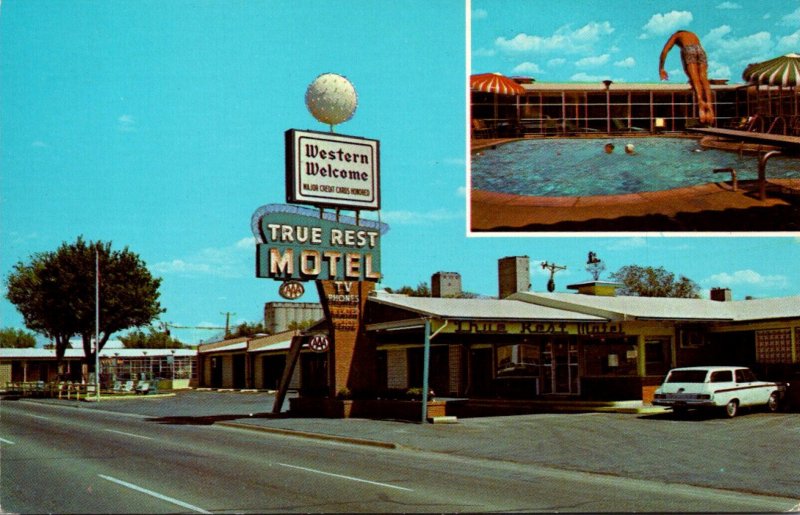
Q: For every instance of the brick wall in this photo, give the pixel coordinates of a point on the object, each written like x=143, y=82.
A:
x=397, y=368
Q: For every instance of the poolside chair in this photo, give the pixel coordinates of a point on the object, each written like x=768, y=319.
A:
x=143, y=387
x=621, y=126
x=481, y=130
x=571, y=128
x=127, y=387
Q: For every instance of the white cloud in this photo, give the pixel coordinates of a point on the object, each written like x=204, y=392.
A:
x=592, y=61
x=788, y=43
x=126, y=123
x=747, y=278
x=564, y=40
x=39, y=144
x=232, y=261
x=461, y=191
x=479, y=14
x=527, y=67
x=635, y=242
x=792, y=19
x=420, y=218
x=556, y=62
x=729, y=5
x=723, y=47
x=661, y=24
x=718, y=70
x=628, y=62
x=585, y=77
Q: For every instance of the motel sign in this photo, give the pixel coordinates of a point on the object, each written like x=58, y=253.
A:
x=301, y=247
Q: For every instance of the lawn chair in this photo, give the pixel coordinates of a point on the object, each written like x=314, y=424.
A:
x=127, y=387
x=481, y=130
x=621, y=126
x=143, y=387
x=571, y=128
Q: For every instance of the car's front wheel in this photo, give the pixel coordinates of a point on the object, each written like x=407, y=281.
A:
x=732, y=408
x=773, y=403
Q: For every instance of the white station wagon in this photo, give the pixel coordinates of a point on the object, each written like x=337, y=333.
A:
x=710, y=387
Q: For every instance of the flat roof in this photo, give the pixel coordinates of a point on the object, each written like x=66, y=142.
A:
x=663, y=308
x=487, y=309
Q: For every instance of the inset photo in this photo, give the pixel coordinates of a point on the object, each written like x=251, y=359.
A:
x=619, y=117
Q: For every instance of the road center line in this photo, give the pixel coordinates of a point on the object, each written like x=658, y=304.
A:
x=154, y=494
x=3, y=440
x=346, y=477
x=39, y=416
x=128, y=434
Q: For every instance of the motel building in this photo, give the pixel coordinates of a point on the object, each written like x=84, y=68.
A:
x=564, y=109
x=527, y=345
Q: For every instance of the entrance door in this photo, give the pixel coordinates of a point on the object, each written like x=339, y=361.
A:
x=560, y=366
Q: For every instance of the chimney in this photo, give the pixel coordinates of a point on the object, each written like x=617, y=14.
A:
x=446, y=284
x=721, y=294
x=513, y=275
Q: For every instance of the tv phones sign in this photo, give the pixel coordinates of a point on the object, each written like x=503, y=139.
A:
x=326, y=169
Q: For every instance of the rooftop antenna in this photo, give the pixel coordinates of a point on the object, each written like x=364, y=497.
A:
x=595, y=265
x=551, y=284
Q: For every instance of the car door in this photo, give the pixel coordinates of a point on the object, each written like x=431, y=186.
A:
x=749, y=394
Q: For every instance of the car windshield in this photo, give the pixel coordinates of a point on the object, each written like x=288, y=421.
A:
x=687, y=376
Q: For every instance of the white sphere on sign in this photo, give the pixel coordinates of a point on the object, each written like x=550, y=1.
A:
x=331, y=99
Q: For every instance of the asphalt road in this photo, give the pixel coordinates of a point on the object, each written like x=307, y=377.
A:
x=56, y=458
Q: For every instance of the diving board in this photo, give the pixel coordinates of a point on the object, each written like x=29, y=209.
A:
x=778, y=140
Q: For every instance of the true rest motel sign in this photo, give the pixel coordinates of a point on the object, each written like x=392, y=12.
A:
x=332, y=170
x=302, y=248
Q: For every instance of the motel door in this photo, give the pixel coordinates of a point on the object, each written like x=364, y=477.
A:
x=560, y=364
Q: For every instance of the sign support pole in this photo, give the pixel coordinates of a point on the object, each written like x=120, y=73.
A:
x=288, y=370
x=426, y=362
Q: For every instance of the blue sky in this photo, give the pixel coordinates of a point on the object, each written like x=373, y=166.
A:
x=159, y=126
x=621, y=40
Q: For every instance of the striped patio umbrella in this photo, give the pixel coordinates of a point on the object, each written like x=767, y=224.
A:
x=782, y=71
x=495, y=83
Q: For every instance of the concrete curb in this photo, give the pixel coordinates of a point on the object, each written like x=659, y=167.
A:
x=305, y=434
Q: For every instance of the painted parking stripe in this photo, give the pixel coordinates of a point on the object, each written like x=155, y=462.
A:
x=9, y=442
x=350, y=478
x=154, y=494
x=128, y=434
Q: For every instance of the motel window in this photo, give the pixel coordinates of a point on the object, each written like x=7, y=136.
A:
x=518, y=360
x=611, y=357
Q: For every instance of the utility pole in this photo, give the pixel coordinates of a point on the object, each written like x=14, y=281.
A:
x=227, y=322
x=551, y=284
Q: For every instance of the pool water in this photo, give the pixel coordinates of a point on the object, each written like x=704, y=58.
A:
x=580, y=167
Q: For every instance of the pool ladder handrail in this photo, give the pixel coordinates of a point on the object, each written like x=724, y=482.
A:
x=732, y=171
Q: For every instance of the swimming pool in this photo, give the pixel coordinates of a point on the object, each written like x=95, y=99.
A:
x=580, y=167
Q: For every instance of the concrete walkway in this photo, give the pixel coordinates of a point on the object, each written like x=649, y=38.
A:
x=706, y=207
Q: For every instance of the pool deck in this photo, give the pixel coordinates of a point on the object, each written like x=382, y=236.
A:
x=712, y=207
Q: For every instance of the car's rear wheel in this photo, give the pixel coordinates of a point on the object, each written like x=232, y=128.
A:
x=773, y=403
x=732, y=408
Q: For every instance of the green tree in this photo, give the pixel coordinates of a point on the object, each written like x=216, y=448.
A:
x=55, y=292
x=245, y=329
x=152, y=339
x=422, y=290
x=647, y=281
x=16, y=338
